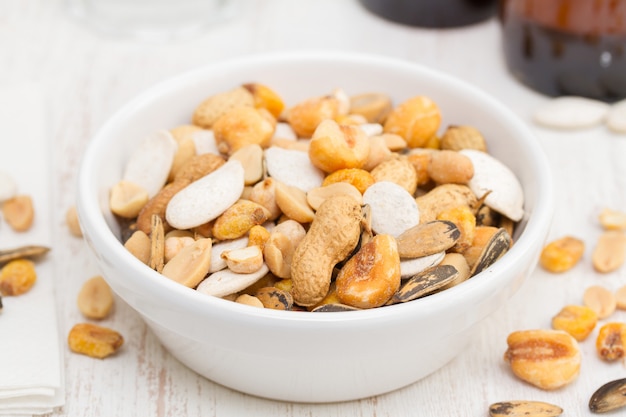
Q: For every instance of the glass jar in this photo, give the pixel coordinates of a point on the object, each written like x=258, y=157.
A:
x=567, y=47
x=433, y=13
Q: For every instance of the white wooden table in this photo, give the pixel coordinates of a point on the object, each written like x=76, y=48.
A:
x=86, y=77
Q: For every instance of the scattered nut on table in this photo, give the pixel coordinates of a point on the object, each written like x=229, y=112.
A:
x=524, y=409
x=95, y=299
x=562, y=254
x=93, y=340
x=610, y=396
x=547, y=359
x=17, y=277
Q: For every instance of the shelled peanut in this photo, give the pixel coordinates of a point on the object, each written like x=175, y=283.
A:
x=335, y=199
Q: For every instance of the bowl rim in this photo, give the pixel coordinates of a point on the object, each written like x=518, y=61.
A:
x=94, y=223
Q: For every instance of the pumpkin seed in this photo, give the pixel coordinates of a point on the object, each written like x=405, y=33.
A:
x=524, y=408
x=571, y=112
x=608, y=397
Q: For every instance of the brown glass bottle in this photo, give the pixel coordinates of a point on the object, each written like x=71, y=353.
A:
x=433, y=13
x=567, y=47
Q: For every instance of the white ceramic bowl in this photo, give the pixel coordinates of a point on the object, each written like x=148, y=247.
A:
x=312, y=357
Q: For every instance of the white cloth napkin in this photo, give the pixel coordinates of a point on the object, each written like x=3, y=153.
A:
x=31, y=372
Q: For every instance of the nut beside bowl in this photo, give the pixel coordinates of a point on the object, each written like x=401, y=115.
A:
x=300, y=356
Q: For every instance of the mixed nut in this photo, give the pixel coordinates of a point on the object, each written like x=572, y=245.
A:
x=551, y=359
x=341, y=200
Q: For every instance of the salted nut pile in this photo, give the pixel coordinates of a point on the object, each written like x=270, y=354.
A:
x=336, y=203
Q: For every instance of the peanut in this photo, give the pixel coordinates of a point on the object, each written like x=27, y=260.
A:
x=174, y=244
x=459, y=262
x=612, y=219
x=219, y=104
x=127, y=199
x=281, y=245
x=264, y=193
x=71, y=219
x=8, y=186
x=456, y=138
x=95, y=299
x=547, y=359
x=316, y=196
x=251, y=158
x=139, y=245
x=399, y=170
x=333, y=235
x=610, y=251
x=395, y=143
x=600, y=300
x=450, y=167
x=292, y=201
x=95, y=341
x=620, y=297
x=191, y=264
x=245, y=260
x=19, y=213
x=444, y=197
x=249, y=300
x=420, y=159
x=184, y=152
